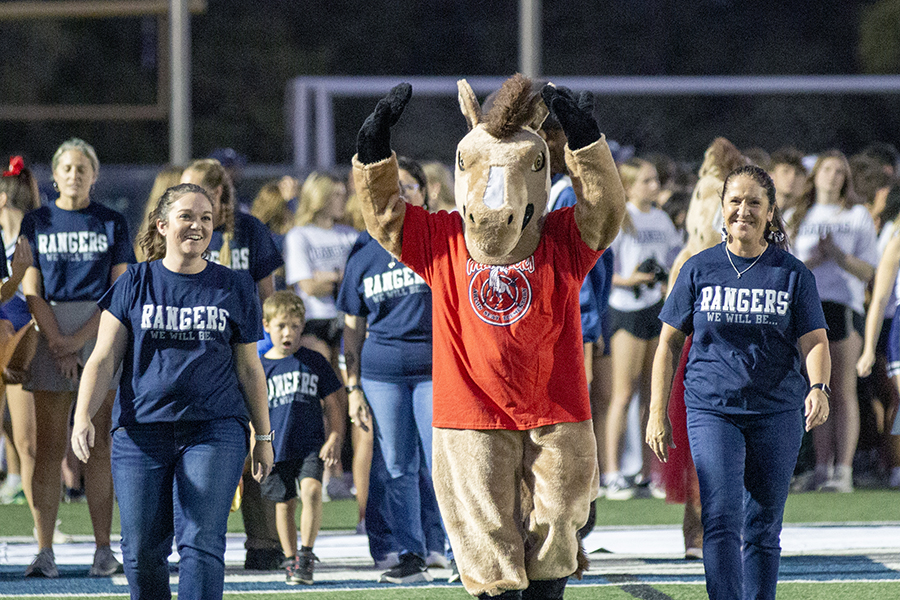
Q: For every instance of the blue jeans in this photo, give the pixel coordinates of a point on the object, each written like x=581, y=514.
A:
x=378, y=530
x=378, y=519
x=176, y=479
x=744, y=464
x=402, y=414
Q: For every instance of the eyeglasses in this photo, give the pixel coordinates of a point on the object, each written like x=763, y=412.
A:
x=406, y=188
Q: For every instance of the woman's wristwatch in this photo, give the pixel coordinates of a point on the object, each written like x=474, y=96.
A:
x=265, y=437
x=353, y=388
x=822, y=386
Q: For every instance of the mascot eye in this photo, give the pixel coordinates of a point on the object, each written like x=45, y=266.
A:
x=538, y=163
x=460, y=163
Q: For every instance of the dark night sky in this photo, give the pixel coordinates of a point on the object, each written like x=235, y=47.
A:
x=244, y=53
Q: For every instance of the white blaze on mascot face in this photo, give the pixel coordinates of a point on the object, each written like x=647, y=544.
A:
x=502, y=173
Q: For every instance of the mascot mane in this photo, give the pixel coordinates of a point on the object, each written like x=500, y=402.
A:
x=512, y=109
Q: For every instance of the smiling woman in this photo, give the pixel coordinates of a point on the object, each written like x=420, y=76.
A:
x=184, y=331
x=746, y=211
x=755, y=314
x=187, y=229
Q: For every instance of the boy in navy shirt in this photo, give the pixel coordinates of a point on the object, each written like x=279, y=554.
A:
x=299, y=382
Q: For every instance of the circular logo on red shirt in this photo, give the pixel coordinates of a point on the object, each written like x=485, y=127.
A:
x=500, y=295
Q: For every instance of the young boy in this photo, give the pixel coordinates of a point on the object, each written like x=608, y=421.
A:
x=299, y=381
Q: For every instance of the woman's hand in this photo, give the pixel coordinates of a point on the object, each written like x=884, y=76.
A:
x=82, y=438
x=865, y=363
x=641, y=278
x=360, y=415
x=263, y=459
x=70, y=366
x=659, y=436
x=819, y=253
x=829, y=249
x=816, y=408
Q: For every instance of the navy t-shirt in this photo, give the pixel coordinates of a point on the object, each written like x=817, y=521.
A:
x=744, y=357
x=397, y=306
x=179, y=360
x=594, y=296
x=75, y=250
x=297, y=386
x=252, y=248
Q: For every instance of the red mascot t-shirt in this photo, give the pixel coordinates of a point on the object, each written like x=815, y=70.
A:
x=507, y=339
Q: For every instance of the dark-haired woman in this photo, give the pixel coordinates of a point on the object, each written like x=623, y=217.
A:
x=749, y=305
x=18, y=195
x=184, y=331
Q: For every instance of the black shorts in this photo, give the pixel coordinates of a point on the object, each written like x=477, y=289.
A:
x=841, y=320
x=281, y=484
x=327, y=330
x=643, y=324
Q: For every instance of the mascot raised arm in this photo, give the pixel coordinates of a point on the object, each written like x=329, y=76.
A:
x=515, y=463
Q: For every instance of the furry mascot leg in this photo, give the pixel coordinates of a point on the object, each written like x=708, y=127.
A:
x=512, y=502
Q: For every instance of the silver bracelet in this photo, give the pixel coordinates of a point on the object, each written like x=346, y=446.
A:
x=265, y=437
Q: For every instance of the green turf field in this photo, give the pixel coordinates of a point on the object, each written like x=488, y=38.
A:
x=862, y=506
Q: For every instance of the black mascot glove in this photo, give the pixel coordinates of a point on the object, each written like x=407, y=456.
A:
x=574, y=113
x=373, y=143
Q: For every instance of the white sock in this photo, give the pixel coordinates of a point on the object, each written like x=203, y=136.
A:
x=842, y=472
x=12, y=481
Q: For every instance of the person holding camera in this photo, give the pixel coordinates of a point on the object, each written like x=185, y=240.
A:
x=643, y=249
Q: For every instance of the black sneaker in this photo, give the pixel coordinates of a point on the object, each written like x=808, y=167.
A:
x=290, y=570
x=43, y=565
x=263, y=559
x=301, y=571
x=411, y=569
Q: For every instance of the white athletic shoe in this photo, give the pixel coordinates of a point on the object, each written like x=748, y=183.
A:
x=437, y=560
x=618, y=489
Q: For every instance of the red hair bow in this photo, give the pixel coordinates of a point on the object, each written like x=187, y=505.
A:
x=16, y=164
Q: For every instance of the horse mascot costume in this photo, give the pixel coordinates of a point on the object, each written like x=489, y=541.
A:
x=515, y=461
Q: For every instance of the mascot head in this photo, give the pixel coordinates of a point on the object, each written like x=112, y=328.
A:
x=502, y=173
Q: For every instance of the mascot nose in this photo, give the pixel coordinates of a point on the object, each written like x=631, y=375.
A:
x=495, y=190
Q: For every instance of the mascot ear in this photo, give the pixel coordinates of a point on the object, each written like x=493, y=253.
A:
x=468, y=103
x=539, y=112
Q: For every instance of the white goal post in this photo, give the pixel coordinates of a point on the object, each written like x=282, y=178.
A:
x=310, y=114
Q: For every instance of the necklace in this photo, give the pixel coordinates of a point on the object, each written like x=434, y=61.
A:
x=739, y=273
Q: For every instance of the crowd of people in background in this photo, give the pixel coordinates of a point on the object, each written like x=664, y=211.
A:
x=359, y=324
